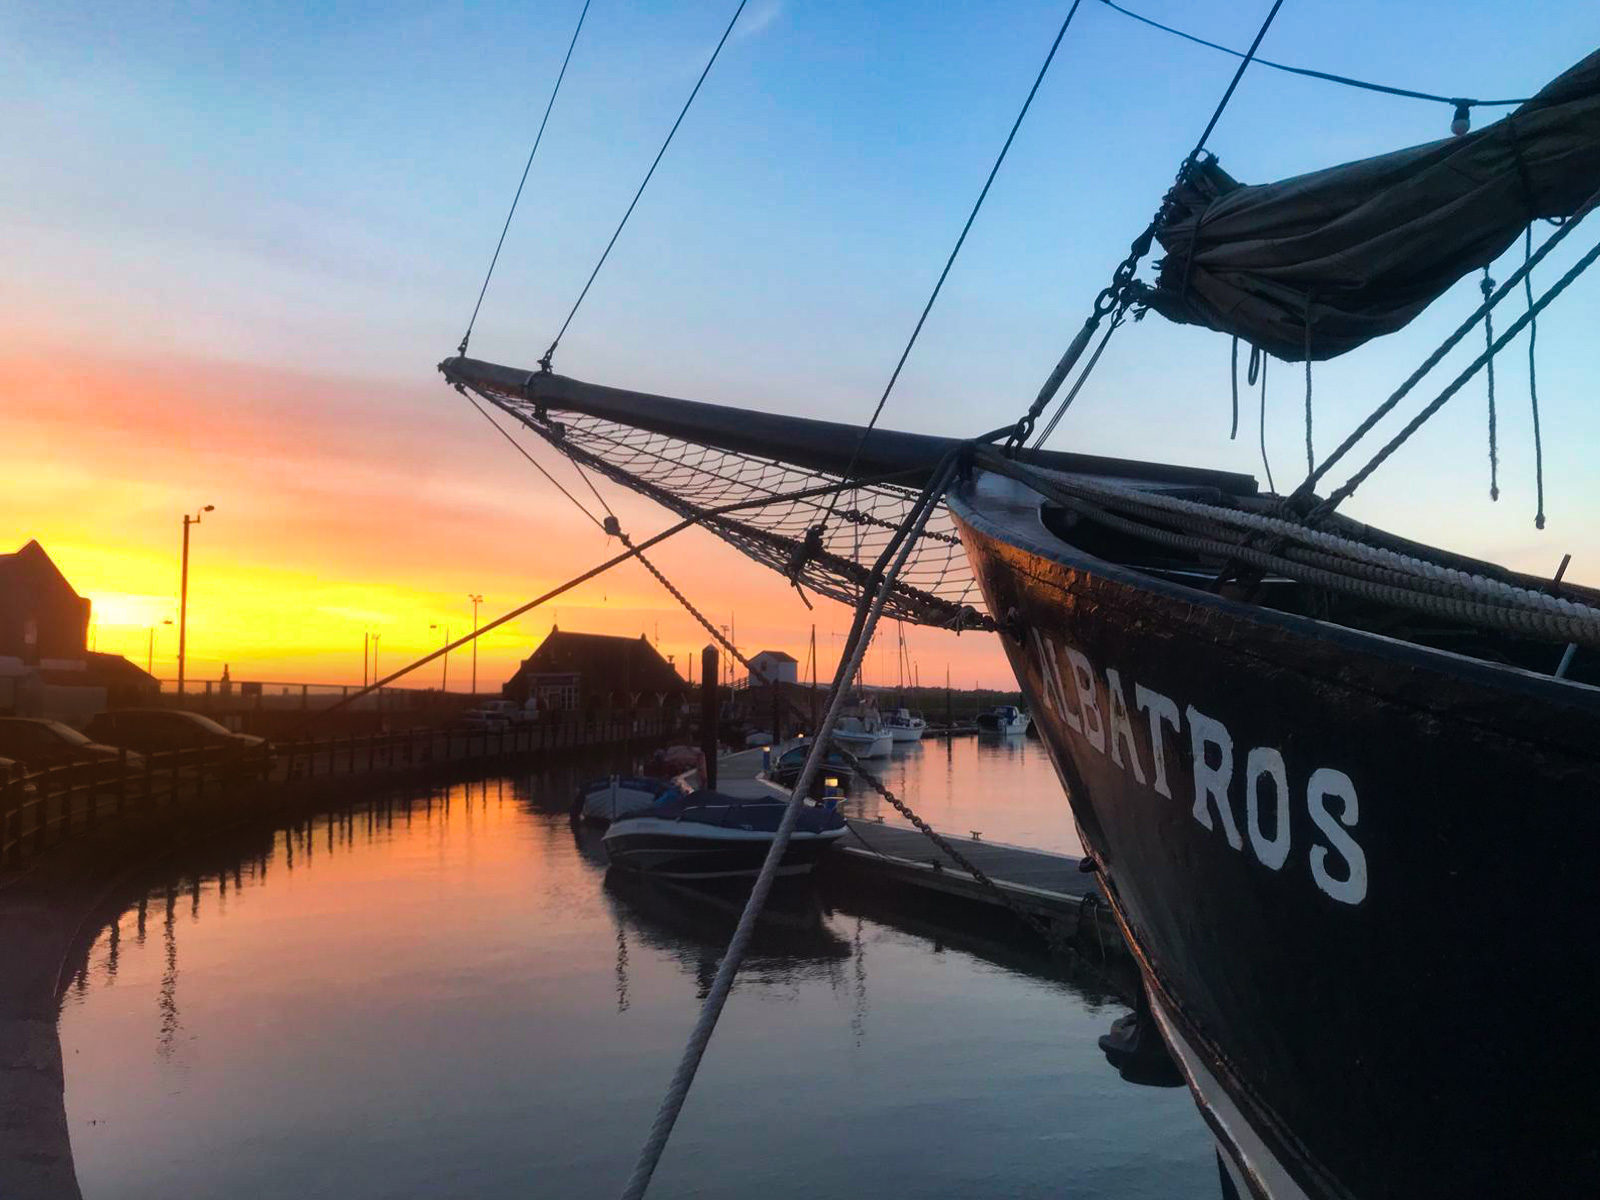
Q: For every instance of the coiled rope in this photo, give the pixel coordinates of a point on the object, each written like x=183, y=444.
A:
x=1315, y=557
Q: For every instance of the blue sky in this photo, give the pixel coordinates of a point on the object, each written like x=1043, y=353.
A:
x=318, y=188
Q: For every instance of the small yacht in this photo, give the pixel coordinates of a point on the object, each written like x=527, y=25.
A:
x=709, y=835
x=1003, y=718
x=605, y=800
x=785, y=769
x=864, y=734
x=904, y=725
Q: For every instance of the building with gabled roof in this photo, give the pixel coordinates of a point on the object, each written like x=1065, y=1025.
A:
x=571, y=670
x=46, y=667
x=774, y=666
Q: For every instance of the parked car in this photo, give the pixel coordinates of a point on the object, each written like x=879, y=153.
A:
x=38, y=743
x=483, y=720
x=157, y=730
x=11, y=769
x=510, y=711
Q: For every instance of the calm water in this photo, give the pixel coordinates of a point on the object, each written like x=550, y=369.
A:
x=445, y=995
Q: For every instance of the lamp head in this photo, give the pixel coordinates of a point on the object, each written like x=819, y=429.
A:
x=209, y=508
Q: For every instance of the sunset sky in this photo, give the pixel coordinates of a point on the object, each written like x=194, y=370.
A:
x=240, y=236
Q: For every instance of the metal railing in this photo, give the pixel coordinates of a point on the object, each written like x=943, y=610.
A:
x=43, y=808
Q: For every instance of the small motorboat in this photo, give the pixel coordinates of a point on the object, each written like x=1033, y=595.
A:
x=785, y=769
x=864, y=734
x=709, y=835
x=1003, y=718
x=605, y=800
x=904, y=725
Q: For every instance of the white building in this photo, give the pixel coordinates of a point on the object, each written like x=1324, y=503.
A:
x=773, y=665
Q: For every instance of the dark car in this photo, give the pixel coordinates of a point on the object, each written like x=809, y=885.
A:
x=37, y=743
x=157, y=730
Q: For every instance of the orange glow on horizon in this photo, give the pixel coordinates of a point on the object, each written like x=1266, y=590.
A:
x=345, y=507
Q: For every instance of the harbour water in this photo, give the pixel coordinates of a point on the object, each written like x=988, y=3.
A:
x=445, y=993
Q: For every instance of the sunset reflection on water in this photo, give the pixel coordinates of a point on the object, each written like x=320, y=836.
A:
x=446, y=993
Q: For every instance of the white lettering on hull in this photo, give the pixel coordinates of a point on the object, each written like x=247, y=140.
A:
x=1338, y=865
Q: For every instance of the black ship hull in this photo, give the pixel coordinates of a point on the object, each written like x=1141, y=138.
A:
x=1355, y=871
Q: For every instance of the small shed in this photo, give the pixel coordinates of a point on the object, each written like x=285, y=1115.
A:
x=773, y=666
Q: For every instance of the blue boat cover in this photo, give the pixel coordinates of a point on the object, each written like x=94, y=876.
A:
x=713, y=808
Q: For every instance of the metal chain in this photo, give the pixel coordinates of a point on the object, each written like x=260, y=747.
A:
x=1045, y=929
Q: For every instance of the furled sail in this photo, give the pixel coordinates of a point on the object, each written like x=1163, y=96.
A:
x=694, y=458
x=1357, y=251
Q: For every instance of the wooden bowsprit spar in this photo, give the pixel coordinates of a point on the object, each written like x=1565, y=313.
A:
x=692, y=456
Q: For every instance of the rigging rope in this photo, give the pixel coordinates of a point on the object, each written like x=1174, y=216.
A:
x=1533, y=377
x=1233, y=431
x=1355, y=481
x=539, y=137
x=1083, y=377
x=1261, y=362
x=1305, y=490
x=549, y=354
x=633, y=551
x=961, y=240
x=1486, y=286
x=537, y=465
x=867, y=613
x=1456, y=102
x=1114, y=295
x=1311, y=458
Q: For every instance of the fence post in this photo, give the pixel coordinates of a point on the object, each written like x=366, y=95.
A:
x=372, y=749
x=10, y=814
x=177, y=766
x=122, y=779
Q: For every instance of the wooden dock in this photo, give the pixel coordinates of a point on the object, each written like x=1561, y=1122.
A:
x=1050, y=886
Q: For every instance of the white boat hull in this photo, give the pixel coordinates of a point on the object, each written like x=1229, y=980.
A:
x=865, y=745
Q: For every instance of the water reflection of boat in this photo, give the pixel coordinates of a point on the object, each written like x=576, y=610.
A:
x=708, y=835
x=675, y=917
x=1003, y=719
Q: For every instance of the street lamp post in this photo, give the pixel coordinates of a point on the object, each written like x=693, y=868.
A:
x=476, y=600
x=183, y=592
x=150, y=648
x=444, y=681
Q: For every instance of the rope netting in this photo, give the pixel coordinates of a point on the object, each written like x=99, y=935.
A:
x=829, y=553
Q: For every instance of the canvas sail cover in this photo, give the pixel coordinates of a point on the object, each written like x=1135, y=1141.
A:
x=1357, y=251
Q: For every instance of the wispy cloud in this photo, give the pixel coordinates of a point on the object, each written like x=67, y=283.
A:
x=757, y=19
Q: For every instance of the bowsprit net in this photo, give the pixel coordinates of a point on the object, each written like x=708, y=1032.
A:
x=826, y=553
